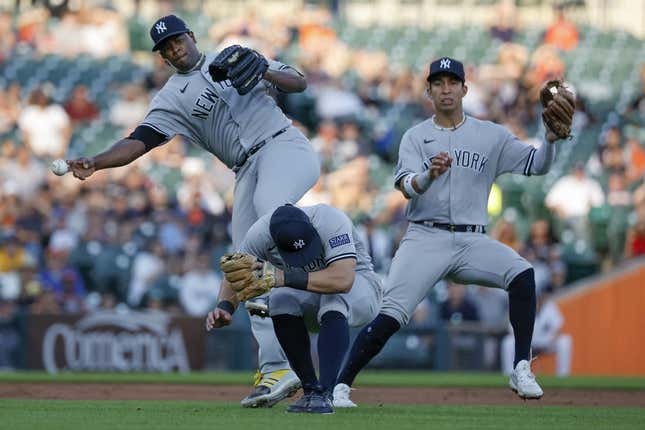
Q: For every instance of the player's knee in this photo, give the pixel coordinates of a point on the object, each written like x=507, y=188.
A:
x=284, y=301
x=523, y=285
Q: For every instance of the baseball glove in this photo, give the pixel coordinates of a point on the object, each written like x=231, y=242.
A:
x=219, y=67
x=247, y=276
x=248, y=71
x=559, y=105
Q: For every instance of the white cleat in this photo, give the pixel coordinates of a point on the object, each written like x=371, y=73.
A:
x=341, y=397
x=522, y=381
x=270, y=388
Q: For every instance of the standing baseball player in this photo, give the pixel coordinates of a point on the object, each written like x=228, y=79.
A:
x=221, y=103
x=447, y=165
x=316, y=253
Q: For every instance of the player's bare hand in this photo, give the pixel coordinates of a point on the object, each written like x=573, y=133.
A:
x=217, y=318
x=440, y=163
x=82, y=168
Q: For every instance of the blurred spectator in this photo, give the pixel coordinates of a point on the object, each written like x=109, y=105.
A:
x=79, y=107
x=545, y=64
x=164, y=293
x=378, y=244
x=504, y=21
x=23, y=172
x=547, y=338
x=45, y=304
x=317, y=194
x=10, y=107
x=199, y=287
x=13, y=257
x=7, y=36
x=505, y=232
x=9, y=335
x=63, y=280
x=543, y=252
x=562, y=33
x=147, y=267
x=158, y=75
x=458, y=307
x=612, y=154
x=45, y=125
x=132, y=106
x=636, y=109
x=12, y=253
x=571, y=198
x=635, y=241
x=635, y=156
x=325, y=143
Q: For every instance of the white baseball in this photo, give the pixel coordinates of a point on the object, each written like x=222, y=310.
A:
x=59, y=167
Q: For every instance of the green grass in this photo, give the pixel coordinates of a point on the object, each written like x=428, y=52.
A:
x=371, y=378
x=112, y=415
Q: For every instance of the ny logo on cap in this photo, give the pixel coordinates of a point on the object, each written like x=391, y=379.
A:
x=445, y=63
x=299, y=244
x=160, y=27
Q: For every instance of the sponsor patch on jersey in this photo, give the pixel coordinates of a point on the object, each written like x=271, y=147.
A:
x=337, y=241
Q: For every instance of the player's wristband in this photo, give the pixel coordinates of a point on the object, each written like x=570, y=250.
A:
x=423, y=181
x=296, y=279
x=227, y=306
x=407, y=186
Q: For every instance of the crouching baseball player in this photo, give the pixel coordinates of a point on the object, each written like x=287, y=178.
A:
x=320, y=277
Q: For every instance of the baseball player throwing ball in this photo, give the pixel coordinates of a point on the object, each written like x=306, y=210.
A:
x=322, y=277
x=447, y=165
x=220, y=103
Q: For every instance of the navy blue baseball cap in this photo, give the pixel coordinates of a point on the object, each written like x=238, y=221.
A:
x=165, y=27
x=295, y=237
x=447, y=65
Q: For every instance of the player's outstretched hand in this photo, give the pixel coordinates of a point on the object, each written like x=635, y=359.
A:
x=82, y=168
x=440, y=163
x=217, y=318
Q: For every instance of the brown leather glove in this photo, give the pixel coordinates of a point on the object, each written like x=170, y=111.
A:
x=559, y=105
x=247, y=276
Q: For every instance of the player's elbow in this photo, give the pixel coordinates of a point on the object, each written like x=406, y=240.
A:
x=300, y=84
x=345, y=282
x=541, y=171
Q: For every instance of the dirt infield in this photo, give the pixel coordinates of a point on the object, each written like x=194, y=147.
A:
x=373, y=395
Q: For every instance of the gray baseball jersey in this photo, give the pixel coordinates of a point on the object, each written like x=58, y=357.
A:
x=340, y=240
x=213, y=116
x=216, y=118
x=337, y=233
x=481, y=151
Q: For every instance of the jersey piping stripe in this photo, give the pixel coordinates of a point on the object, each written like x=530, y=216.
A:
x=529, y=162
x=400, y=176
x=154, y=128
x=341, y=257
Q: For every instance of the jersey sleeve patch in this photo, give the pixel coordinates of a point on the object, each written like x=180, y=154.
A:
x=340, y=240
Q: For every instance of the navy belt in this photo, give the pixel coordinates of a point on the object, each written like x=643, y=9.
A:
x=461, y=228
x=255, y=148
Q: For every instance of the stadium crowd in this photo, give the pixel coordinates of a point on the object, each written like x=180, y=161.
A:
x=150, y=235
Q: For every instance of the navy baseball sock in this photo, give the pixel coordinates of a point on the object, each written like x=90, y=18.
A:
x=521, y=311
x=294, y=339
x=333, y=341
x=368, y=343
